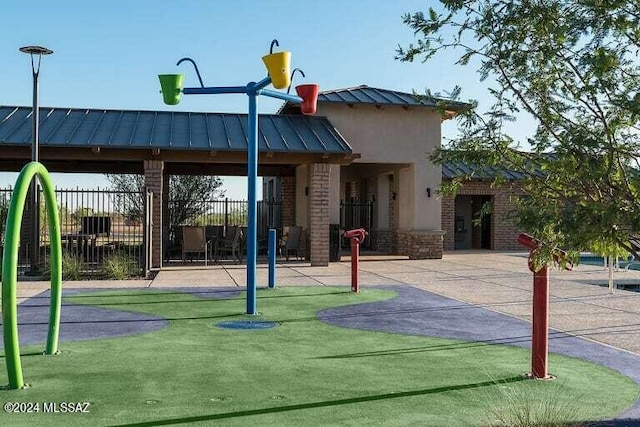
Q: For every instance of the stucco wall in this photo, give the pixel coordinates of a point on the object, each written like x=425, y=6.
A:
x=393, y=134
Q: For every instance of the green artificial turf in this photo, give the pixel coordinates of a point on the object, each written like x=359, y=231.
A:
x=301, y=373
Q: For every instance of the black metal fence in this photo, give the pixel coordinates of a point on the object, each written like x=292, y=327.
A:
x=222, y=212
x=103, y=233
x=356, y=214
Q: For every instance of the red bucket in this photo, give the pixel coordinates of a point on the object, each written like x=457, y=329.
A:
x=309, y=95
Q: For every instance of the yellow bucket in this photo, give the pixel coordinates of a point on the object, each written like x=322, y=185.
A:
x=171, y=85
x=278, y=65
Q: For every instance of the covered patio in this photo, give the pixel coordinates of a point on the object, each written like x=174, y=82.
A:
x=159, y=144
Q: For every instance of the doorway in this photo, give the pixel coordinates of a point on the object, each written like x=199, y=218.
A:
x=468, y=234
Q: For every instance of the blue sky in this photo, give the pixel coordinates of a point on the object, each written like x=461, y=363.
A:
x=107, y=54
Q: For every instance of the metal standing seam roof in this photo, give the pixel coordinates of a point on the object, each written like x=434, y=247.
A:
x=364, y=94
x=451, y=170
x=75, y=127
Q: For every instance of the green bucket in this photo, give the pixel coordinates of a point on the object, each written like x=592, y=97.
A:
x=171, y=85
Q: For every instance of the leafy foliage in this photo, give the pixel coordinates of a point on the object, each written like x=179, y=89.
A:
x=188, y=193
x=572, y=66
x=72, y=266
x=120, y=267
x=129, y=202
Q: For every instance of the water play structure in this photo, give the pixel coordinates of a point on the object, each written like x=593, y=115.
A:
x=10, y=270
x=279, y=75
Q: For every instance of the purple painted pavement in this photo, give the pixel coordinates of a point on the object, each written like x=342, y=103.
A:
x=86, y=322
x=419, y=312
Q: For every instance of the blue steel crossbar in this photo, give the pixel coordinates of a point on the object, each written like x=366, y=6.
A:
x=253, y=90
x=213, y=90
x=281, y=95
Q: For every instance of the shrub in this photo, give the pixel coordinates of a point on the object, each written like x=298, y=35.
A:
x=71, y=267
x=119, y=267
x=518, y=406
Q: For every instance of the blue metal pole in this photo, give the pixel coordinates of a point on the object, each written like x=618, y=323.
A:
x=281, y=95
x=216, y=90
x=253, y=90
x=252, y=175
x=260, y=85
x=272, y=258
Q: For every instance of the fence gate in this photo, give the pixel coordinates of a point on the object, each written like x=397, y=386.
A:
x=356, y=214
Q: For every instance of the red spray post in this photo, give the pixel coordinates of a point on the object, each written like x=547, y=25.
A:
x=357, y=236
x=540, y=327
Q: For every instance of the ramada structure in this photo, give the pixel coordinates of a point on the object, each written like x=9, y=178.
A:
x=363, y=144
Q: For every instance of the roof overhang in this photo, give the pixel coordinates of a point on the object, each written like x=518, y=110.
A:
x=93, y=159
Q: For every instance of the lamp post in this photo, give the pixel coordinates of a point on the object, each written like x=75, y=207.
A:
x=36, y=52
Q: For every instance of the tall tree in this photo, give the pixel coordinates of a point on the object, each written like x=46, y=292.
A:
x=188, y=194
x=572, y=66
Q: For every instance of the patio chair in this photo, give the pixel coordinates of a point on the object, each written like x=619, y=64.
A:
x=194, y=242
x=232, y=244
x=214, y=235
x=290, y=242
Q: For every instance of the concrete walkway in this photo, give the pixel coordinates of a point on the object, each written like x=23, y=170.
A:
x=580, y=302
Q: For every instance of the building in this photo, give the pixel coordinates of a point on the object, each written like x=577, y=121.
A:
x=362, y=160
x=392, y=135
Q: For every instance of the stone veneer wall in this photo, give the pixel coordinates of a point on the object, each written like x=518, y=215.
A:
x=166, y=244
x=385, y=241
x=425, y=244
x=153, y=178
x=503, y=230
x=319, y=214
x=288, y=194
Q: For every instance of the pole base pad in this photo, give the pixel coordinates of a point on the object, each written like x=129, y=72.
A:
x=530, y=376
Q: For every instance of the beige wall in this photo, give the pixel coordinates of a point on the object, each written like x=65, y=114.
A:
x=406, y=198
x=382, y=199
x=393, y=134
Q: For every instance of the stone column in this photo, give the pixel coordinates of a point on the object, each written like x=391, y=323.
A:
x=153, y=176
x=319, y=188
x=419, y=218
x=302, y=197
x=166, y=245
x=288, y=192
x=448, y=221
